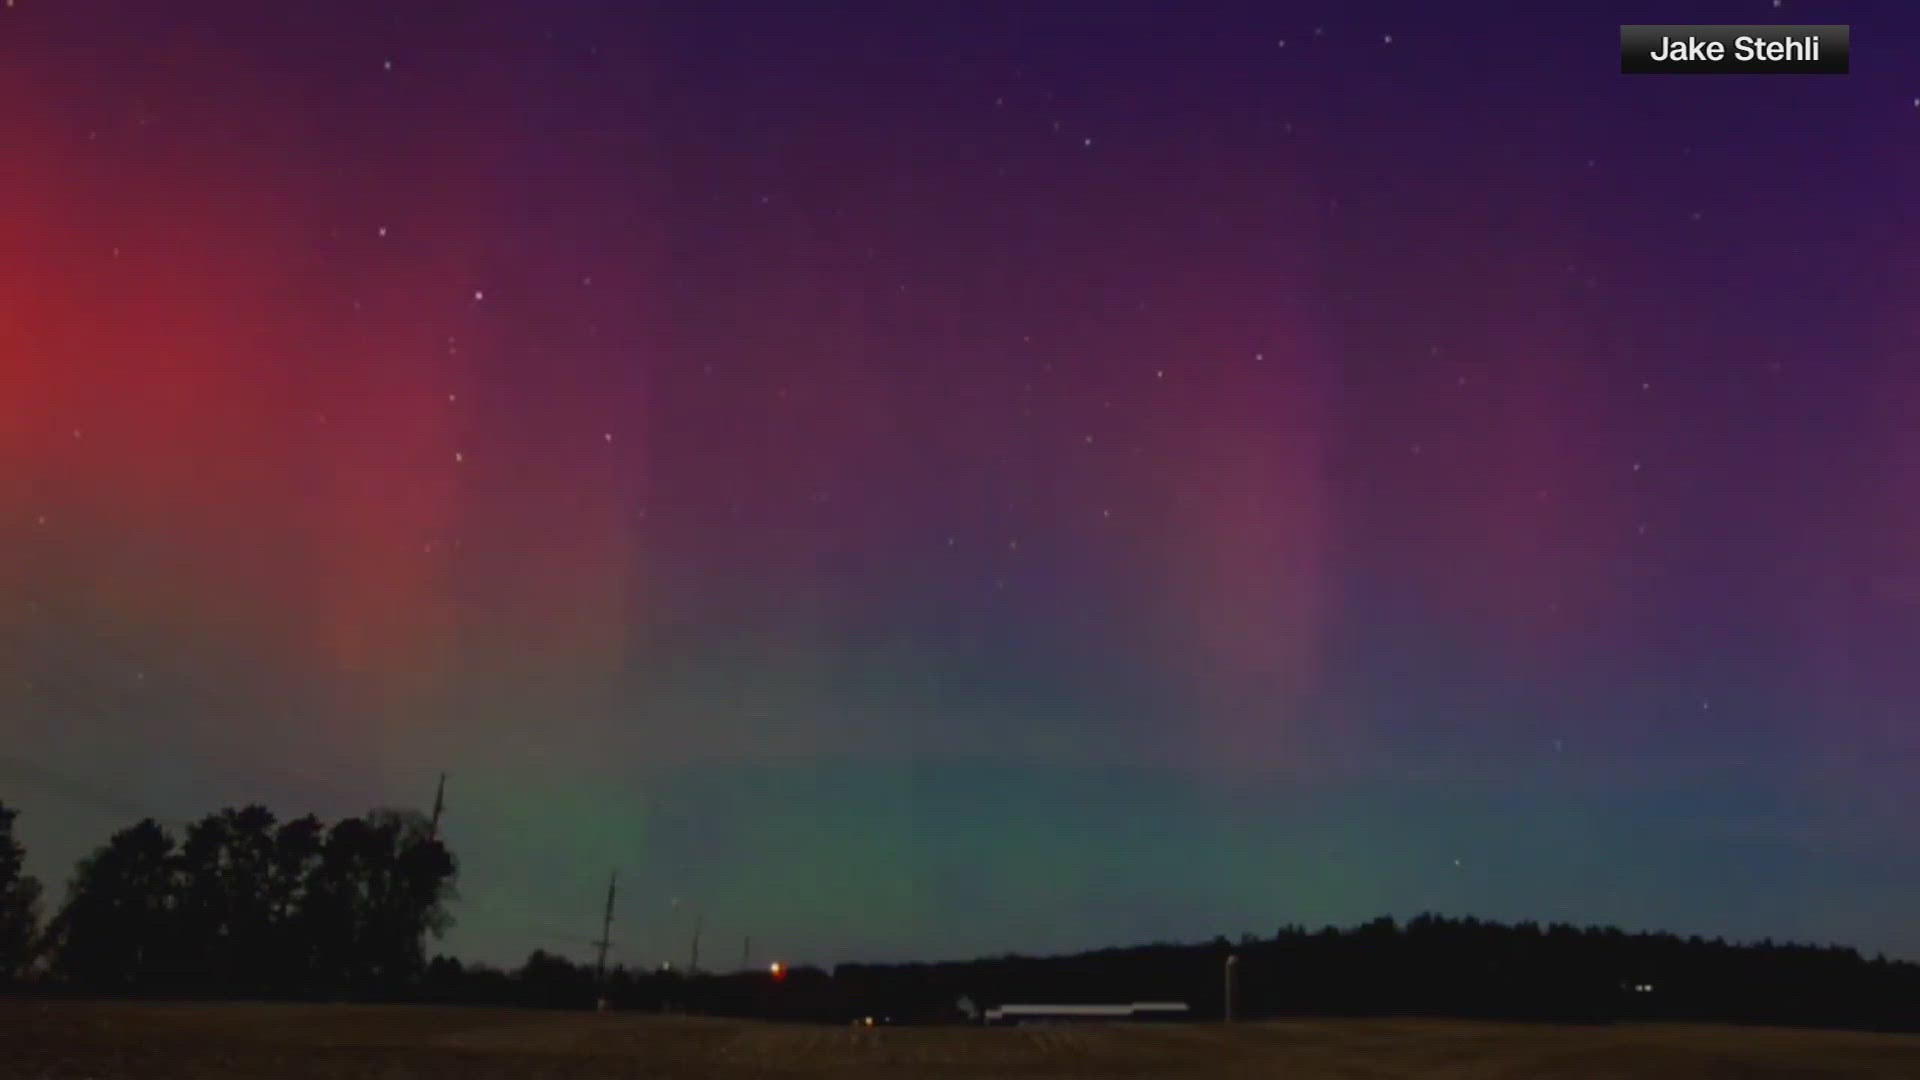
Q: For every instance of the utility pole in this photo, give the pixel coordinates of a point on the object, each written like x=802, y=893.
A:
x=746, y=953
x=439, y=803
x=1233, y=961
x=693, y=962
x=606, y=935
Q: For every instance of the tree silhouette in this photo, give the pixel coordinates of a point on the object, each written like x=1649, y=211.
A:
x=248, y=905
x=380, y=884
x=19, y=902
x=244, y=904
x=113, y=933
x=288, y=955
x=224, y=921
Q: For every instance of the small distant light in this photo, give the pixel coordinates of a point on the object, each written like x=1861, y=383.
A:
x=869, y=1021
x=777, y=969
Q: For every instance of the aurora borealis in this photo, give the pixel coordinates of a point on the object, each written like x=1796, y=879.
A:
x=905, y=484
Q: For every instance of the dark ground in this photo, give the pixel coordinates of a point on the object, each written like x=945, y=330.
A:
x=69, y=1041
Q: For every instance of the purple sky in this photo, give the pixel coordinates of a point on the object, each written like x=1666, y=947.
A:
x=909, y=484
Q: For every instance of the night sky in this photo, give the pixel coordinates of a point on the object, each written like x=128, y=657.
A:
x=913, y=485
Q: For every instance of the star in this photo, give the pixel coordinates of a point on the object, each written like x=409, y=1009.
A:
x=608, y=436
x=1386, y=39
x=1086, y=142
x=386, y=65
x=1637, y=466
x=1282, y=43
x=1159, y=373
x=458, y=457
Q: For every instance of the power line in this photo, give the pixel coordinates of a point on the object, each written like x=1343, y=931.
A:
x=606, y=932
x=77, y=791
x=439, y=802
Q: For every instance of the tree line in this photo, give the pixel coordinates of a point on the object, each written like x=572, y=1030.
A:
x=240, y=904
x=245, y=905
x=1438, y=966
x=1428, y=966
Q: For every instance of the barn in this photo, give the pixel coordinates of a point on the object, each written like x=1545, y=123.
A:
x=1042, y=1014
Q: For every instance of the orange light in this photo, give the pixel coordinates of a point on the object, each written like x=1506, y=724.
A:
x=777, y=968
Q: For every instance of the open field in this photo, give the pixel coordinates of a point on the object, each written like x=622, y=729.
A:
x=70, y=1041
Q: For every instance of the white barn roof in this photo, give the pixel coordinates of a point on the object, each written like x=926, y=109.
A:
x=1134, y=1009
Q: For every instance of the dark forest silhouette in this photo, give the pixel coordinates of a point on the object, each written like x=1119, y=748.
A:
x=243, y=904
x=246, y=906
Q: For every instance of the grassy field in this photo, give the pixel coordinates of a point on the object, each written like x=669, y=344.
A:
x=71, y=1041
